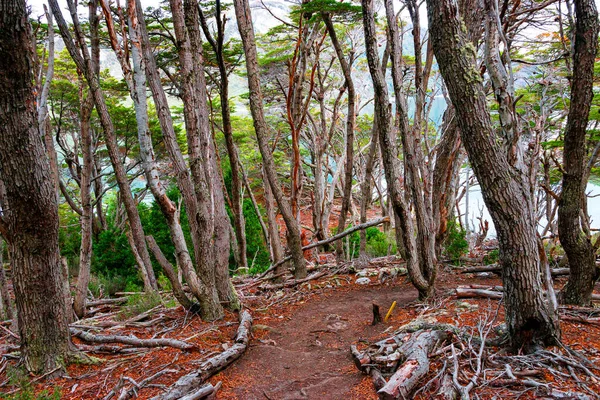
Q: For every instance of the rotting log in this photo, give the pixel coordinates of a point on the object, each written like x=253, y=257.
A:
x=131, y=340
x=191, y=383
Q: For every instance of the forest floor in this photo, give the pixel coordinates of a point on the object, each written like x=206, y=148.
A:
x=300, y=342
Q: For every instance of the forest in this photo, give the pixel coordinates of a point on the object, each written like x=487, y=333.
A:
x=290, y=199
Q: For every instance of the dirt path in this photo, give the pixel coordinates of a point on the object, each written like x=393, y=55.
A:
x=307, y=356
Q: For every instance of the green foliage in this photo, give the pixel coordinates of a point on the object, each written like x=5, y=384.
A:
x=102, y=285
x=139, y=303
x=257, y=250
x=378, y=242
x=456, y=244
x=491, y=257
x=17, y=377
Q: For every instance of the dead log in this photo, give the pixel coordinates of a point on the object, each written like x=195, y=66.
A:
x=497, y=269
x=492, y=292
x=131, y=340
x=466, y=292
x=294, y=282
x=334, y=238
x=403, y=382
x=102, y=302
x=205, y=392
x=191, y=383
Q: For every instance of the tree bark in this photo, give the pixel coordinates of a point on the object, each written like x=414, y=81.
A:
x=505, y=187
x=30, y=210
x=244, y=19
x=577, y=245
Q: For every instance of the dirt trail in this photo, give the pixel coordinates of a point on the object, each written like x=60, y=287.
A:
x=307, y=356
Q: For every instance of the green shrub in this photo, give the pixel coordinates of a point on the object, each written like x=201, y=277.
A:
x=491, y=257
x=256, y=248
x=163, y=282
x=378, y=242
x=139, y=303
x=456, y=244
x=101, y=285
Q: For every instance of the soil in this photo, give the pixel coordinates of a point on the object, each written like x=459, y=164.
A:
x=306, y=356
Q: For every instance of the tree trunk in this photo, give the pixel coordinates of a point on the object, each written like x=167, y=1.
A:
x=350, y=122
x=87, y=105
x=504, y=186
x=208, y=155
x=389, y=153
x=275, y=245
x=447, y=167
x=413, y=154
x=201, y=283
x=30, y=214
x=232, y=151
x=577, y=245
x=244, y=19
x=4, y=294
x=82, y=59
x=366, y=188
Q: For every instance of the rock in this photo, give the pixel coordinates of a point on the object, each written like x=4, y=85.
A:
x=363, y=281
x=362, y=273
x=484, y=274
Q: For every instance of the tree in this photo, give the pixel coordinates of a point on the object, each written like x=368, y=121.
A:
x=578, y=247
x=29, y=220
x=79, y=52
x=244, y=20
x=389, y=153
x=505, y=185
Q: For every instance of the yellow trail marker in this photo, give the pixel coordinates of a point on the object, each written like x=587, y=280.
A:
x=389, y=311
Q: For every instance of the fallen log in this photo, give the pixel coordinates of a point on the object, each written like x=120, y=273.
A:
x=293, y=282
x=402, y=384
x=339, y=236
x=191, y=383
x=131, y=340
x=497, y=269
x=96, y=303
x=462, y=293
x=492, y=292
